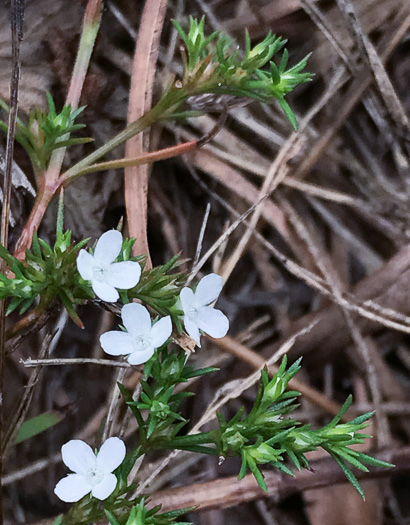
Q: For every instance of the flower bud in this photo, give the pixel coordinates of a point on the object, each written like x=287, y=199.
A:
x=263, y=453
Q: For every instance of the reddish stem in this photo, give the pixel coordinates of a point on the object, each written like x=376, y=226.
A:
x=45, y=193
x=24, y=323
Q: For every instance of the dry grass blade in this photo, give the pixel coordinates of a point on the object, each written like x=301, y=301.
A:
x=370, y=54
x=142, y=80
x=331, y=277
x=353, y=95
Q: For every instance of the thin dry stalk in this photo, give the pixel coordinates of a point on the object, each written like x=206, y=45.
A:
x=17, y=18
x=355, y=92
x=371, y=56
x=360, y=344
x=142, y=81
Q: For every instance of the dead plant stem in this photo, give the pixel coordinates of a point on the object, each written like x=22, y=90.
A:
x=17, y=17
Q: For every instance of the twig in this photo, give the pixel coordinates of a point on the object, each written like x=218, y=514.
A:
x=313, y=247
x=74, y=361
x=112, y=410
x=276, y=174
x=201, y=235
x=352, y=97
x=17, y=18
x=24, y=403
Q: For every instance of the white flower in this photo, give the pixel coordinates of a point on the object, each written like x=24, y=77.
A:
x=198, y=315
x=141, y=338
x=93, y=473
x=106, y=275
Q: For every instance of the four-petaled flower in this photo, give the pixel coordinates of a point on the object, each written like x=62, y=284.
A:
x=198, y=315
x=106, y=275
x=141, y=338
x=92, y=473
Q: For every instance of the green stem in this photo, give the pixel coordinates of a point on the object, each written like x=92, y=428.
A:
x=91, y=25
x=202, y=438
x=172, y=99
x=168, y=103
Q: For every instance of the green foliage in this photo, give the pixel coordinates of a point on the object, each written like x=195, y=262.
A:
x=49, y=273
x=46, y=131
x=159, y=288
x=267, y=436
x=140, y=515
x=211, y=65
x=195, y=41
x=163, y=372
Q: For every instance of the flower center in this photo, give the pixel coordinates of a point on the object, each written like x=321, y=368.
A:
x=100, y=271
x=142, y=341
x=94, y=475
x=192, y=311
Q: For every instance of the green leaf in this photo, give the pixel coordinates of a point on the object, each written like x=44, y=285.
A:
x=70, y=308
x=344, y=453
x=289, y=113
x=13, y=305
x=26, y=304
x=36, y=247
x=38, y=424
x=369, y=460
x=349, y=475
x=341, y=413
x=111, y=518
x=257, y=474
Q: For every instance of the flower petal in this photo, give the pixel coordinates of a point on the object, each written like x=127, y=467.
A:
x=105, y=488
x=137, y=358
x=85, y=263
x=136, y=319
x=108, y=246
x=116, y=342
x=160, y=331
x=72, y=488
x=187, y=297
x=111, y=454
x=213, y=322
x=124, y=275
x=104, y=291
x=78, y=456
x=208, y=289
x=192, y=330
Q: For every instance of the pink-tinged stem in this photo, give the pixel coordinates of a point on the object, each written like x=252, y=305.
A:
x=50, y=180
x=43, y=199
